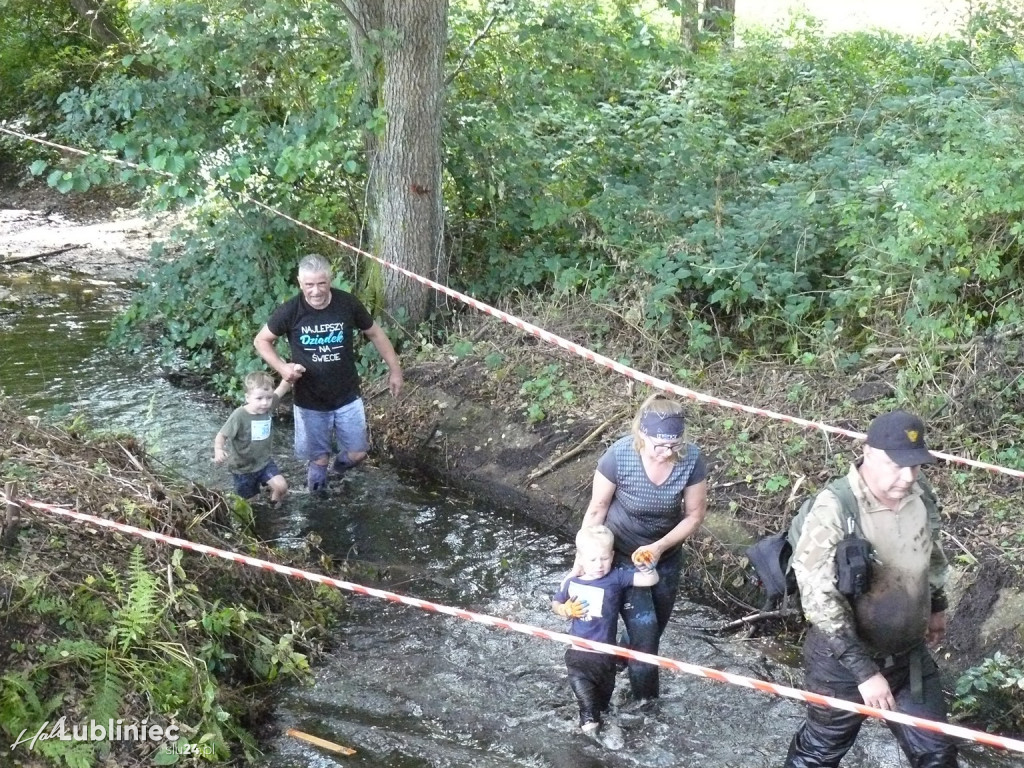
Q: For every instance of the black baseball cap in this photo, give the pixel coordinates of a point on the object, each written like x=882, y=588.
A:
x=901, y=435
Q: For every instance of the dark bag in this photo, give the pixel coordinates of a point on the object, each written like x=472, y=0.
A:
x=770, y=557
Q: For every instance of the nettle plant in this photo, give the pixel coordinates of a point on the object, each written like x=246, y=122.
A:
x=993, y=693
x=545, y=391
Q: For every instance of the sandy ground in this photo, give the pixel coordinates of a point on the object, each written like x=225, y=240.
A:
x=97, y=237
x=111, y=249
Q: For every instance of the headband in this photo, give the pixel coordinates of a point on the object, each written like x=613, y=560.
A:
x=662, y=427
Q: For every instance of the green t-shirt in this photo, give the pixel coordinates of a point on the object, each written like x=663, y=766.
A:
x=247, y=439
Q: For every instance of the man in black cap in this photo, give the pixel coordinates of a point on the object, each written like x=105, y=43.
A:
x=868, y=645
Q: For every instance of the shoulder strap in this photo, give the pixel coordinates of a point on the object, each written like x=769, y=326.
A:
x=847, y=502
x=928, y=496
x=844, y=492
x=931, y=505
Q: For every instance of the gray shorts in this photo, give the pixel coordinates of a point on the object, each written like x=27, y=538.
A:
x=318, y=432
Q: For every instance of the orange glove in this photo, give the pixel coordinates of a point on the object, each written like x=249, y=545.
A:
x=644, y=558
x=573, y=608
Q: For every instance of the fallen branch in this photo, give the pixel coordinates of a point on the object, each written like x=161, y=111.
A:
x=12, y=522
x=1007, y=333
x=960, y=544
x=38, y=256
x=558, y=461
x=762, y=616
x=796, y=488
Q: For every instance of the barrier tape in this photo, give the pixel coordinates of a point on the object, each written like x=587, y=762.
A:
x=616, y=366
x=558, y=341
x=968, y=734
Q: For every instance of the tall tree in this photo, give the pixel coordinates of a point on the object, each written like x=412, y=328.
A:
x=399, y=47
x=720, y=19
x=689, y=16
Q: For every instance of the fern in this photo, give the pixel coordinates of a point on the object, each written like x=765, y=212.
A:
x=74, y=754
x=19, y=703
x=107, y=691
x=69, y=651
x=114, y=579
x=22, y=714
x=135, y=618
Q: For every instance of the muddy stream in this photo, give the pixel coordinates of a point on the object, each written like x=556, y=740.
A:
x=406, y=688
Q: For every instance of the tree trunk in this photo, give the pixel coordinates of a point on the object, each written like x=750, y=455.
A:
x=689, y=20
x=406, y=80
x=720, y=19
x=98, y=25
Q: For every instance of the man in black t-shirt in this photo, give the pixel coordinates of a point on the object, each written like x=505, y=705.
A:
x=320, y=324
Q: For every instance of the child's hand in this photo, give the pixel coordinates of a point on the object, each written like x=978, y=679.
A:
x=300, y=369
x=645, y=558
x=219, y=455
x=573, y=608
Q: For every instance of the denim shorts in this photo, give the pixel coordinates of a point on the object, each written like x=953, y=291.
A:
x=314, y=431
x=248, y=484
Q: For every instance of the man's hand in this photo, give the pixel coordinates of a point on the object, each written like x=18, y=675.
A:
x=292, y=372
x=875, y=692
x=936, y=628
x=573, y=608
x=395, y=381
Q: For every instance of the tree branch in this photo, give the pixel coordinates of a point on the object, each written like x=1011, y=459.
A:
x=469, y=49
x=37, y=256
x=575, y=451
x=762, y=616
x=357, y=25
x=100, y=28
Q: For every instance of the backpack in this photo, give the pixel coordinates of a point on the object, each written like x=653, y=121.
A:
x=770, y=556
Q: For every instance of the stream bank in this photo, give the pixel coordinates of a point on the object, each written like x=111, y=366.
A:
x=463, y=422
x=466, y=421
x=101, y=627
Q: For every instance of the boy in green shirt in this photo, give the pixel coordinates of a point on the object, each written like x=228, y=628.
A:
x=244, y=440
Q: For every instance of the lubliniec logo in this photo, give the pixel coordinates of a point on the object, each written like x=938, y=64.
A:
x=113, y=730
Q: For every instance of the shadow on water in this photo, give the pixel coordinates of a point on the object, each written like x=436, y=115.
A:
x=404, y=687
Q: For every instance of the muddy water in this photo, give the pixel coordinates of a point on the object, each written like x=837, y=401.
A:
x=406, y=688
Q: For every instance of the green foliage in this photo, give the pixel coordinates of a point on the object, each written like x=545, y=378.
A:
x=138, y=613
x=544, y=391
x=993, y=692
x=45, y=53
x=217, y=103
x=798, y=192
x=120, y=637
x=794, y=194
x=190, y=304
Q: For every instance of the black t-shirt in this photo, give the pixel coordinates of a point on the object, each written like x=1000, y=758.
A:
x=321, y=341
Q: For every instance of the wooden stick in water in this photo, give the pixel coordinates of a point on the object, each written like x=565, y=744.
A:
x=322, y=743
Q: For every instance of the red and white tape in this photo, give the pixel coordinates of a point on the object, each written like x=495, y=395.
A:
x=607, y=362
x=556, y=340
x=956, y=731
